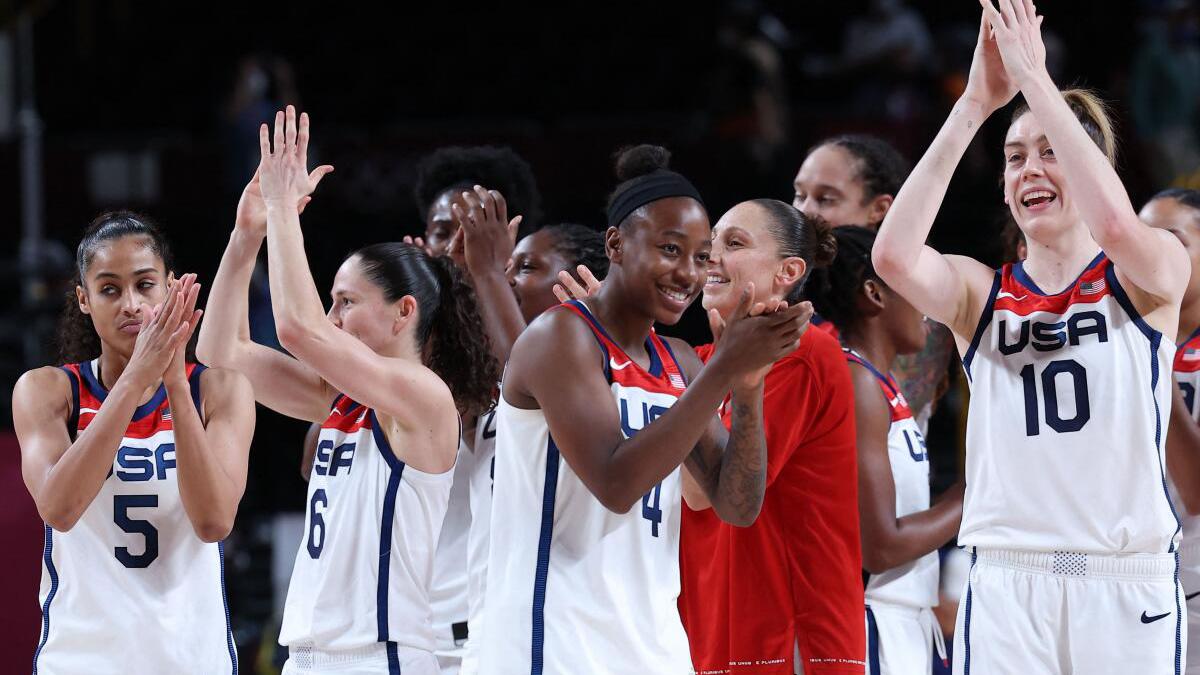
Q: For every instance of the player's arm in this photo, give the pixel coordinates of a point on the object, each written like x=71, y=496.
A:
x=212, y=452
x=888, y=541
x=1183, y=453
x=488, y=237
x=311, y=437
x=727, y=469
x=1152, y=259
x=405, y=391
x=280, y=382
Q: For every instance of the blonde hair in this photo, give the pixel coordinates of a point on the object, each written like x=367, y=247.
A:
x=1092, y=113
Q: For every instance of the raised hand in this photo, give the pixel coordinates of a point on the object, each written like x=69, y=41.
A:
x=189, y=290
x=988, y=83
x=252, y=210
x=569, y=289
x=485, y=235
x=1017, y=31
x=283, y=172
x=164, y=330
x=756, y=335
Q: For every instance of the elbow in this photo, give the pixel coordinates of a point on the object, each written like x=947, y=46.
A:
x=61, y=519
x=875, y=560
x=743, y=517
x=1112, y=231
x=888, y=265
x=293, y=335
x=213, y=530
x=619, y=504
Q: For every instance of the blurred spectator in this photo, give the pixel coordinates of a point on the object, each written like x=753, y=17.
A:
x=1165, y=89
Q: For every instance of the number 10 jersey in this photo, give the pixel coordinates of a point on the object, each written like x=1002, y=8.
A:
x=1070, y=396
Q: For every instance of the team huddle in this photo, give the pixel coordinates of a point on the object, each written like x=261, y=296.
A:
x=511, y=471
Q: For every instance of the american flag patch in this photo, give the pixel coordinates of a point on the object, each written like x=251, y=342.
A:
x=1091, y=287
x=676, y=380
x=166, y=414
x=1191, y=355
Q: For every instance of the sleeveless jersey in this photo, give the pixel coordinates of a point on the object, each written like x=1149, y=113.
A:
x=483, y=466
x=1066, y=422
x=365, y=565
x=576, y=588
x=915, y=583
x=1187, y=377
x=131, y=588
x=448, y=592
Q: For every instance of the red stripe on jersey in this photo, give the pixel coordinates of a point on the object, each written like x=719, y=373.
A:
x=1187, y=357
x=143, y=427
x=624, y=370
x=897, y=404
x=1016, y=295
x=347, y=416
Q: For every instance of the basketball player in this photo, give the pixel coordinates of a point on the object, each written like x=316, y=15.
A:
x=588, y=581
x=136, y=458
x=900, y=532
x=396, y=360
x=1178, y=212
x=1072, y=533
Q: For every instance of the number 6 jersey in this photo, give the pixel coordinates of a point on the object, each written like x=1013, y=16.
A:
x=1070, y=395
x=131, y=588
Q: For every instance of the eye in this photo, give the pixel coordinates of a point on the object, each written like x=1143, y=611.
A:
x=1014, y=158
x=734, y=243
x=670, y=249
x=800, y=197
x=1048, y=152
x=346, y=302
x=108, y=289
x=146, y=284
x=703, y=257
x=827, y=200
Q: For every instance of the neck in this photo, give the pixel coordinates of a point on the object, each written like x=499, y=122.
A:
x=1189, y=319
x=112, y=364
x=612, y=309
x=1054, y=263
x=873, y=345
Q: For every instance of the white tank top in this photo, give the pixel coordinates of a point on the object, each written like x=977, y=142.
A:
x=1187, y=377
x=915, y=583
x=1069, y=397
x=448, y=593
x=573, y=587
x=131, y=588
x=365, y=564
x=483, y=466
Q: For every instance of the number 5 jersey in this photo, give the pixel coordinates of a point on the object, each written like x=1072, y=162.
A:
x=1070, y=395
x=131, y=588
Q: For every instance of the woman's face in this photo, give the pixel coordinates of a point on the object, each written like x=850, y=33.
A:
x=123, y=275
x=744, y=251
x=439, y=222
x=533, y=271
x=1183, y=222
x=906, y=325
x=360, y=308
x=828, y=185
x=1034, y=187
x=663, y=256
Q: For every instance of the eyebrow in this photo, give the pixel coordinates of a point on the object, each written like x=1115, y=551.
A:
x=114, y=275
x=1015, y=144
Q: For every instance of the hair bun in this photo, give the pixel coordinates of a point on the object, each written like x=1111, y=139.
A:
x=827, y=245
x=639, y=160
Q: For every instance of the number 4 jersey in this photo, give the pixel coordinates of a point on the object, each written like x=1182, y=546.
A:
x=131, y=588
x=1070, y=395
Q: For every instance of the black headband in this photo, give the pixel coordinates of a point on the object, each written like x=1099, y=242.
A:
x=660, y=184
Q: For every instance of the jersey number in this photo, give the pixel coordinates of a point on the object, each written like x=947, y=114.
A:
x=121, y=506
x=316, y=509
x=1083, y=411
x=650, y=507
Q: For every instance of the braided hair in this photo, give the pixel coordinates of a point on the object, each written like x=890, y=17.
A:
x=834, y=290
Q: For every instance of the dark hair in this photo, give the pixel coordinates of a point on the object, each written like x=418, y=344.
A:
x=632, y=165
x=495, y=168
x=798, y=235
x=881, y=167
x=77, y=339
x=1092, y=114
x=1186, y=196
x=448, y=322
x=834, y=290
x=580, y=245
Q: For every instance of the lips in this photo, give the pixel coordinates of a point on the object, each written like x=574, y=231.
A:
x=680, y=298
x=130, y=327
x=1035, y=198
x=715, y=279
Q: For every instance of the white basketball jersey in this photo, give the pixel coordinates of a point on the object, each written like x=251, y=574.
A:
x=573, y=587
x=131, y=588
x=365, y=564
x=483, y=466
x=1187, y=378
x=1065, y=429
x=915, y=583
x=448, y=593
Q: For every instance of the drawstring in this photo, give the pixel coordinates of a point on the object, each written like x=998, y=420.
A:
x=939, y=640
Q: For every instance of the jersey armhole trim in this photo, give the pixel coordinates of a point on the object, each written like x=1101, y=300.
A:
x=985, y=320
x=385, y=448
x=73, y=416
x=596, y=330
x=1126, y=304
x=194, y=385
x=678, y=366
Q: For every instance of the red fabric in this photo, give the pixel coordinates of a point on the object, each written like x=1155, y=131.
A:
x=795, y=576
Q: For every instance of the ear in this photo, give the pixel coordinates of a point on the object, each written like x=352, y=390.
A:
x=170, y=277
x=871, y=299
x=879, y=207
x=612, y=244
x=405, y=314
x=82, y=298
x=791, y=270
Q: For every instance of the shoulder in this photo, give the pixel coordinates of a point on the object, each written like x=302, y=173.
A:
x=559, y=333
x=688, y=359
x=42, y=386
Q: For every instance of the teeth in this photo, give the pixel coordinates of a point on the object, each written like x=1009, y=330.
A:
x=1037, y=194
x=713, y=279
x=675, y=295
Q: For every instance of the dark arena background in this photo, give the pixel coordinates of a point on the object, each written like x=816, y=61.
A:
x=155, y=107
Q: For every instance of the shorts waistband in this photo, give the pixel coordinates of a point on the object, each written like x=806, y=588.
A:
x=1133, y=566
x=907, y=610
x=307, y=657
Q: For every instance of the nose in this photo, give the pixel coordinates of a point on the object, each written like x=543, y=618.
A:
x=333, y=315
x=1033, y=167
x=510, y=274
x=807, y=206
x=131, y=303
x=689, y=273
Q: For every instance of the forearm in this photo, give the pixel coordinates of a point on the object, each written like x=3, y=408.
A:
x=501, y=315
x=209, y=493
x=75, y=479
x=1183, y=455
x=226, y=318
x=914, y=535
x=295, y=302
x=741, y=480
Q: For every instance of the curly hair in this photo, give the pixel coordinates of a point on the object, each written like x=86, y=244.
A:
x=495, y=168
x=834, y=290
x=881, y=168
x=580, y=245
x=77, y=339
x=448, y=321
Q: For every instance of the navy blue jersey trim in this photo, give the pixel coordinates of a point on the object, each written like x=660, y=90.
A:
x=655, y=369
x=1022, y=276
x=967, y=618
x=542, y=571
x=595, y=326
x=872, y=642
x=862, y=361
x=1155, y=343
x=985, y=320
x=656, y=364
x=674, y=359
x=381, y=441
x=1178, y=620
x=1122, y=297
x=225, y=603
x=194, y=383
x=73, y=416
x=48, y=559
x=98, y=390
x=1190, y=337
x=393, y=658
x=385, y=548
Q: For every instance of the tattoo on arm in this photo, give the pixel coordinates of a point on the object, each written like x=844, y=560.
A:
x=734, y=476
x=920, y=374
